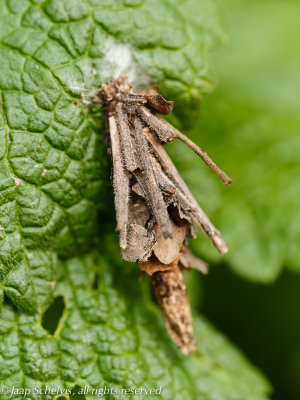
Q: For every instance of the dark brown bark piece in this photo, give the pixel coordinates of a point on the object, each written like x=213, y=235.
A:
x=159, y=104
x=156, y=102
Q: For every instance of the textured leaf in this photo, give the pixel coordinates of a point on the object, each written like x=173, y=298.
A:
x=52, y=166
x=251, y=127
x=53, y=178
x=106, y=339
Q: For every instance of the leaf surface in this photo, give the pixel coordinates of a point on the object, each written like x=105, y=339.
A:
x=113, y=336
x=54, y=172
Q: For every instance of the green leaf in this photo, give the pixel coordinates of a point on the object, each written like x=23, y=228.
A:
x=53, y=171
x=54, y=54
x=108, y=337
x=250, y=126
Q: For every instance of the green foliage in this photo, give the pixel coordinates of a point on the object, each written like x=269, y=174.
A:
x=51, y=159
x=53, y=181
x=107, y=338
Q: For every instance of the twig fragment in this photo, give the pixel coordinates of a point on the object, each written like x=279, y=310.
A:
x=154, y=194
x=120, y=178
x=197, y=213
x=125, y=136
x=166, y=133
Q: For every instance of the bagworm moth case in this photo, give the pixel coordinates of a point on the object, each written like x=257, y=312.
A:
x=155, y=210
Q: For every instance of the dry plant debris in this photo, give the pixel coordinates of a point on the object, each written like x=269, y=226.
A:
x=155, y=210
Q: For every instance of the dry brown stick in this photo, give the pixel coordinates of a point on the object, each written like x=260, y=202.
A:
x=166, y=185
x=155, y=197
x=126, y=97
x=171, y=187
x=166, y=133
x=191, y=208
x=208, y=161
x=198, y=214
x=120, y=181
x=125, y=137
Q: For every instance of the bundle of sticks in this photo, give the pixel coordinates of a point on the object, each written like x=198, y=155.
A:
x=155, y=210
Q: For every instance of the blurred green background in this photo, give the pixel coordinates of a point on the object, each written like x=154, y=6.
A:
x=251, y=127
